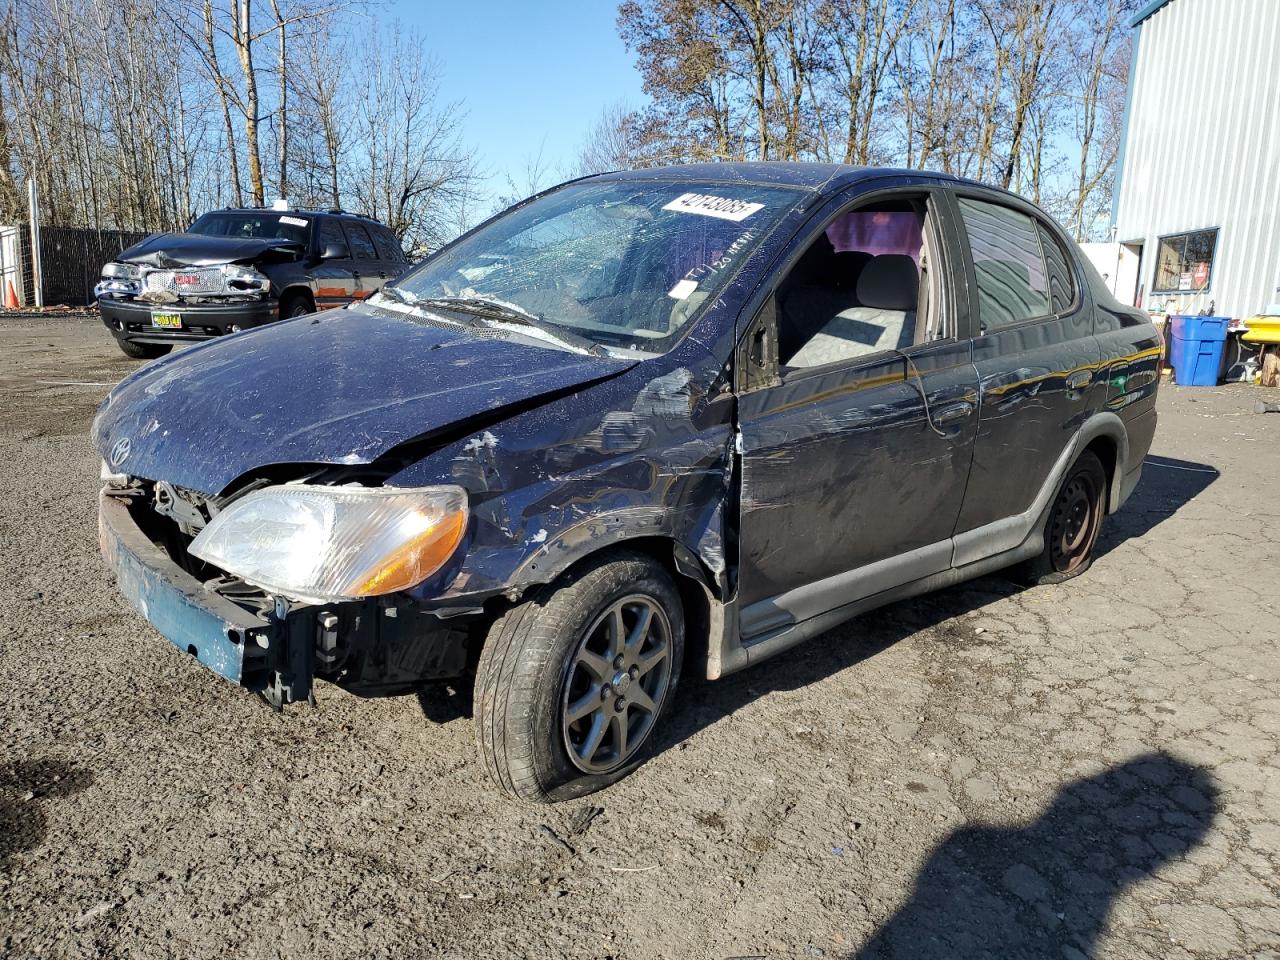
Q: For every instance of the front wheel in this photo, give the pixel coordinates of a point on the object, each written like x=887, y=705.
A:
x=296, y=305
x=571, y=683
x=143, y=351
x=1071, y=530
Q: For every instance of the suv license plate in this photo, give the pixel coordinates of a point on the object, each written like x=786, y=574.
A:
x=170, y=321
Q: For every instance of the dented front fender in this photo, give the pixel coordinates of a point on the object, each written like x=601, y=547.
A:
x=646, y=454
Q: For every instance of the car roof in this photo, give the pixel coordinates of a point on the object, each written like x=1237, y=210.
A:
x=301, y=211
x=820, y=177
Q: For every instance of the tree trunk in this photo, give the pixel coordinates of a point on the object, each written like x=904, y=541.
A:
x=242, y=38
x=283, y=140
x=220, y=84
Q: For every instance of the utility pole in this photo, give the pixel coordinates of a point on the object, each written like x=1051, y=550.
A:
x=37, y=274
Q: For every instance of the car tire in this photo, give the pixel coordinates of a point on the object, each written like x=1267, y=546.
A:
x=1072, y=527
x=296, y=305
x=143, y=351
x=552, y=705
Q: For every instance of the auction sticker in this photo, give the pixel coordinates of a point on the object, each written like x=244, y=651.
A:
x=709, y=205
x=682, y=289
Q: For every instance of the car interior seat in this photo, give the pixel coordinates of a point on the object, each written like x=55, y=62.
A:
x=882, y=316
x=820, y=285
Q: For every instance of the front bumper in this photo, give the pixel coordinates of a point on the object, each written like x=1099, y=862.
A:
x=131, y=319
x=368, y=647
x=228, y=639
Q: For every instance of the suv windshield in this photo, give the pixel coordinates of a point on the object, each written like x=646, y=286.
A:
x=259, y=226
x=621, y=263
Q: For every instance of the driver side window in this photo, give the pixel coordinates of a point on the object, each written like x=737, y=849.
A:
x=862, y=287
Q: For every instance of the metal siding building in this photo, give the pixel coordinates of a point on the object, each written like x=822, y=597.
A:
x=1201, y=150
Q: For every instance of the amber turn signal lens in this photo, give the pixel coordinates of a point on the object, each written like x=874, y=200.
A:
x=417, y=559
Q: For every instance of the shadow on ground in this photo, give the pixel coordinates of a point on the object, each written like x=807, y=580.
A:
x=1044, y=890
x=1167, y=485
x=25, y=786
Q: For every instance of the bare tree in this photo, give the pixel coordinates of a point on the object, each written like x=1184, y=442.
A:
x=992, y=89
x=225, y=94
x=1100, y=56
x=612, y=143
x=411, y=169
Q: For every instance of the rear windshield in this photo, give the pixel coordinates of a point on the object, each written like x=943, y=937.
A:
x=257, y=226
x=622, y=263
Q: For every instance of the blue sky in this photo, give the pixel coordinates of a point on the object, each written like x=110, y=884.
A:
x=532, y=75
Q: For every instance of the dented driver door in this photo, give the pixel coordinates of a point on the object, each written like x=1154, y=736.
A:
x=848, y=487
x=852, y=474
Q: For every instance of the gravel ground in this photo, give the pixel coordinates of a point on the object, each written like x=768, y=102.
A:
x=1086, y=770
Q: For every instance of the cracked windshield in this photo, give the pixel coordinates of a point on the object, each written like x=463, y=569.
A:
x=615, y=264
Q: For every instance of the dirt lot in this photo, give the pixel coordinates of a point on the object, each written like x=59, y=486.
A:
x=1089, y=770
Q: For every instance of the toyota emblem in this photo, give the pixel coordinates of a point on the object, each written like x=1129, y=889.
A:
x=119, y=452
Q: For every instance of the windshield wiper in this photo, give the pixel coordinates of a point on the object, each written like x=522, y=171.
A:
x=412, y=301
x=396, y=294
x=511, y=313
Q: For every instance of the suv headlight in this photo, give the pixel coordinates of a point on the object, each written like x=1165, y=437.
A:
x=318, y=544
x=121, y=271
x=242, y=279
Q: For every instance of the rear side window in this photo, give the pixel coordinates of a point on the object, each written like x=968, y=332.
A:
x=1013, y=282
x=361, y=246
x=331, y=232
x=388, y=245
x=1062, y=288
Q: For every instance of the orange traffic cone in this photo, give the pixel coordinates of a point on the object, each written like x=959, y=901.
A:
x=10, y=296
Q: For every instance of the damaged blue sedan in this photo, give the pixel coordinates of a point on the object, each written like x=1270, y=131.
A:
x=644, y=422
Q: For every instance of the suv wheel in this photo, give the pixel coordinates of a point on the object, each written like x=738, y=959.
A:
x=572, y=682
x=296, y=305
x=1071, y=531
x=143, y=351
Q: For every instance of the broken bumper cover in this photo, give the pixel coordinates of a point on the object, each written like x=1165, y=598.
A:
x=368, y=648
x=131, y=319
x=225, y=637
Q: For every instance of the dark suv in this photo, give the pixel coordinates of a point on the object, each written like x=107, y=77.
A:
x=235, y=269
x=652, y=421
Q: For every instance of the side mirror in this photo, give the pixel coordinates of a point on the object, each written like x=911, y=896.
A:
x=334, y=251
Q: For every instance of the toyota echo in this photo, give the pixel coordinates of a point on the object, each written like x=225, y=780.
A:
x=642, y=423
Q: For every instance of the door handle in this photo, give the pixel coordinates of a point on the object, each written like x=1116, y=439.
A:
x=953, y=413
x=1079, y=380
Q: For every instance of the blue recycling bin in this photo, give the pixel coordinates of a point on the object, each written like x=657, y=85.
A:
x=1196, y=349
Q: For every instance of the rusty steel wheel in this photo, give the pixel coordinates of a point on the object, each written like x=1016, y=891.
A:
x=1074, y=523
x=1072, y=528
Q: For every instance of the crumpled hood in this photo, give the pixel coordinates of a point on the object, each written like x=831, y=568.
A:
x=340, y=387
x=193, y=250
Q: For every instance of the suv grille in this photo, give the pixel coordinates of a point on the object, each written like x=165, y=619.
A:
x=196, y=280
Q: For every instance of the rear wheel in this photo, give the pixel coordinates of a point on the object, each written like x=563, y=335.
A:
x=572, y=682
x=143, y=351
x=1071, y=530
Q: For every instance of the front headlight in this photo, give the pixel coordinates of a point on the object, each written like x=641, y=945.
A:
x=318, y=544
x=121, y=271
x=242, y=279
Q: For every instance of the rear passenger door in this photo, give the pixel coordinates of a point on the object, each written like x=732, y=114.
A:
x=334, y=284
x=367, y=272
x=1036, y=357
x=391, y=259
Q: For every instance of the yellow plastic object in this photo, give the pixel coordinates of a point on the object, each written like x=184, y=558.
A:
x=1262, y=330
